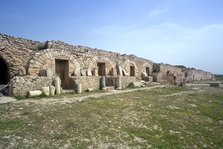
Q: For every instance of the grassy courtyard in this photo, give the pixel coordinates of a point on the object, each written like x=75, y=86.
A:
x=170, y=117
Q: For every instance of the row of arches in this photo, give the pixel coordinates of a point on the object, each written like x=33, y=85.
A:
x=46, y=59
x=65, y=61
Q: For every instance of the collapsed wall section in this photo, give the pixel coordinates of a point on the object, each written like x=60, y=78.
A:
x=164, y=73
x=17, y=52
x=192, y=75
x=21, y=85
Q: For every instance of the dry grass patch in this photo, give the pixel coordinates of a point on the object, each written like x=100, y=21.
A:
x=139, y=119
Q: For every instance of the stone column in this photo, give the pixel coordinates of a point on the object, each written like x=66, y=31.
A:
x=96, y=71
x=119, y=70
x=79, y=88
x=57, y=85
x=52, y=90
x=103, y=83
x=119, y=82
x=89, y=73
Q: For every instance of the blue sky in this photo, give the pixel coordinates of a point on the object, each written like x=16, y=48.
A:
x=187, y=32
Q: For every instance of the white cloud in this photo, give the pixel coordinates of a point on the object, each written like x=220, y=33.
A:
x=156, y=12
x=168, y=42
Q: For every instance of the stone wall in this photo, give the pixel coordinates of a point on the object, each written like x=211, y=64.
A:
x=85, y=59
x=17, y=52
x=167, y=74
x=86, y=81
x=127, y=80
x=168, y=69
x=20, y=85
x=197, y=75
x=33, y=58
x=94, y=81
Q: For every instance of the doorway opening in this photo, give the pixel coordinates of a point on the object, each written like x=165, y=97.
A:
x=174, y=78
x=101, y=69
x=62, y=70
x=132, y=71
x=4, y=75
x=147, y=71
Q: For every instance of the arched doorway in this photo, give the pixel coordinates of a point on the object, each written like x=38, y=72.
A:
x=4, y=72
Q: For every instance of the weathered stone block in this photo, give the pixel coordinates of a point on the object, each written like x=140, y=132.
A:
x=215, y=84
x=79, y=88
x=89, y=73
x=144, y=74
x=95, y=71
x=83, y=72
x=52, y=90
x=35, y=93
x=57, y=85
x=49, y=73
x=46, y=91
x=22, y=71
x=136, y=84
x=90, y=89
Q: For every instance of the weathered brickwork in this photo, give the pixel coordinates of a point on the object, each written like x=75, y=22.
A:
x=28, y=61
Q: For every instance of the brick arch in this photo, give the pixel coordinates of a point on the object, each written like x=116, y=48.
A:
x=46, y=59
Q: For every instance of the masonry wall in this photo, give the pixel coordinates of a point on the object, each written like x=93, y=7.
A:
x=20, y=85
x=29, y=59
x=168, y=74
x=126, y=80
x=197, y=75
x=17, y=52
x=84, y=60
x=86, y=82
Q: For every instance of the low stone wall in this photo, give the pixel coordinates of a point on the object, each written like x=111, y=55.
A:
x=127, y=80
x=20, y=85
x=94, y=81
x=86, y=81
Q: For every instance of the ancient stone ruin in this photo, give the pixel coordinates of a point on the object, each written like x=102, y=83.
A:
x=50, y=67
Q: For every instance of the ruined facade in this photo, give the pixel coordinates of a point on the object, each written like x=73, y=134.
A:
x=30, y=65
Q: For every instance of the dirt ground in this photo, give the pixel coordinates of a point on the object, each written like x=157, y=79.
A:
x=150, y=117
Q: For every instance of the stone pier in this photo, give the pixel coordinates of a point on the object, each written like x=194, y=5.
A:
x=79, y=88
x=119, y=83
x=103, y=83
x=57, y=85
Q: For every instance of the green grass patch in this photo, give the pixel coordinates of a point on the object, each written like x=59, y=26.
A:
x=12, y=124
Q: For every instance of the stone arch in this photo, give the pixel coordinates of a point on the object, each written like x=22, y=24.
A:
x=110, y=66
x=46, y=60
x=4, y=75
x=147, y=68
x=126, y=68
